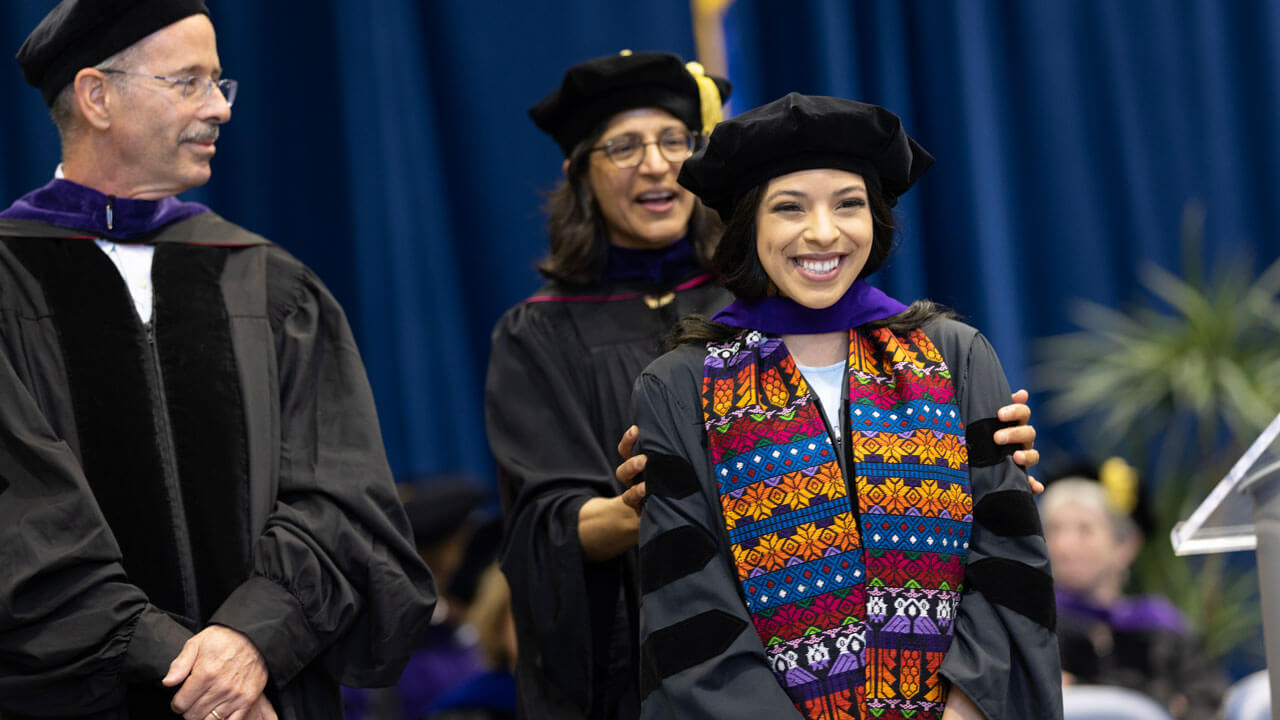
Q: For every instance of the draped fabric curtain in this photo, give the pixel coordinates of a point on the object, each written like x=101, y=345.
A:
x=1069, y=135
x=386, y=144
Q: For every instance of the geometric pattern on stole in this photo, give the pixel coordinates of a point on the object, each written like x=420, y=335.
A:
x=853, y=598
x=916, y=510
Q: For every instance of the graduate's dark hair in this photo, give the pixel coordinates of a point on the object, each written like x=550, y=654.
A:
x=579, y=236
x=737, y=260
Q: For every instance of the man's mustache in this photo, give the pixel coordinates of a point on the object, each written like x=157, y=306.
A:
x=202, y=135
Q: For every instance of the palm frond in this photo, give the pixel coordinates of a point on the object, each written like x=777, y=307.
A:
x=1179, y=383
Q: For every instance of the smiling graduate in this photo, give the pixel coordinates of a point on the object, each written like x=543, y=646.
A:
x=830, y=530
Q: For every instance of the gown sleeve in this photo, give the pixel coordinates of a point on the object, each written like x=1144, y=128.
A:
x=73, y=629
x=336, y=575
x=700, y=654
x=542, y=434
x=1004, y=655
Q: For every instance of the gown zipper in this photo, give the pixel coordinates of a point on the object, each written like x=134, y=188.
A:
x=169, y=466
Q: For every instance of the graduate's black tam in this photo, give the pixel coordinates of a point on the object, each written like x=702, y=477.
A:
x=804, y=132
x=82, y=33
x=596, y=90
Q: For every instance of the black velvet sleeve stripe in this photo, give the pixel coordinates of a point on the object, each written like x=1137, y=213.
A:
x=1009, y=513
x=685, y=644
x=979, y=438
x=1020, y=588
x=669, y=476
x=4, y=485
x=673, y=555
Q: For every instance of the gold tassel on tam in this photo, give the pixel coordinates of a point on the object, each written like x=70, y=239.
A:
x=709, y=95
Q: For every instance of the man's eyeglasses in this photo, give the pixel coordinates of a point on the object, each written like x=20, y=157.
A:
x=627, y=151
x=194, y=87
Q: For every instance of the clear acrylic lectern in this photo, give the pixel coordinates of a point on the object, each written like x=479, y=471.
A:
x=1242, y=512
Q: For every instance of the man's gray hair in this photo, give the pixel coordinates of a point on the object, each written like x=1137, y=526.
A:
x=63, y=109
x=1089, y=493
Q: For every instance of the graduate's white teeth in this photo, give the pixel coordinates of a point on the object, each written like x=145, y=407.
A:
x=818, y=267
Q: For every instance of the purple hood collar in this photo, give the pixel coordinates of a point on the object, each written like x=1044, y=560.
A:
x=70, y=205
x=860, y=304
x=1133, y=614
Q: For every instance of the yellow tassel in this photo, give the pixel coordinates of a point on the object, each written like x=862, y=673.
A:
x=1120, y=481
x=711, y=7
x=708, y=95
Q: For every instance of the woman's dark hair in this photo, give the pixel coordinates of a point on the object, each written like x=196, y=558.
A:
x=579, y=237
x=738, y=261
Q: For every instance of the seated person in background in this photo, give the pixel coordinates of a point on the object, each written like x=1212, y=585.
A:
x=490, y=695
x=1140, y=642
x=446, y=514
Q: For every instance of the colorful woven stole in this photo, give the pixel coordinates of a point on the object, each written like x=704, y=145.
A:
x=853, y=602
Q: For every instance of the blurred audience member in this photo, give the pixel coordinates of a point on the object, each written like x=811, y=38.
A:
x=1140, y=642
x=490, y=695
x=456, y=540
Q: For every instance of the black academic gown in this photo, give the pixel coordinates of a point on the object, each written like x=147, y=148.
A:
x=1171, y=667
x=557, y=400
x=1004, y=654
x=221, y=464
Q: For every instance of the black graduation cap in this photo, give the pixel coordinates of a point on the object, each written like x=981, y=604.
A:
x=596, y=90
x=82, y=33
x=804, y=132
x=441, y=505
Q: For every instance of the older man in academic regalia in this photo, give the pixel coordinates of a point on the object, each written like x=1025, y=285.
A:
x=196, y=513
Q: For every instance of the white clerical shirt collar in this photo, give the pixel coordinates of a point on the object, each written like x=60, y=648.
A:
x=134, y=264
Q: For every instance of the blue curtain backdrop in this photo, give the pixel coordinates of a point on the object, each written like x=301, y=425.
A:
x=386, y=144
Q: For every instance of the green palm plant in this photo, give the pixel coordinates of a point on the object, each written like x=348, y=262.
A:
x=1179, y=387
